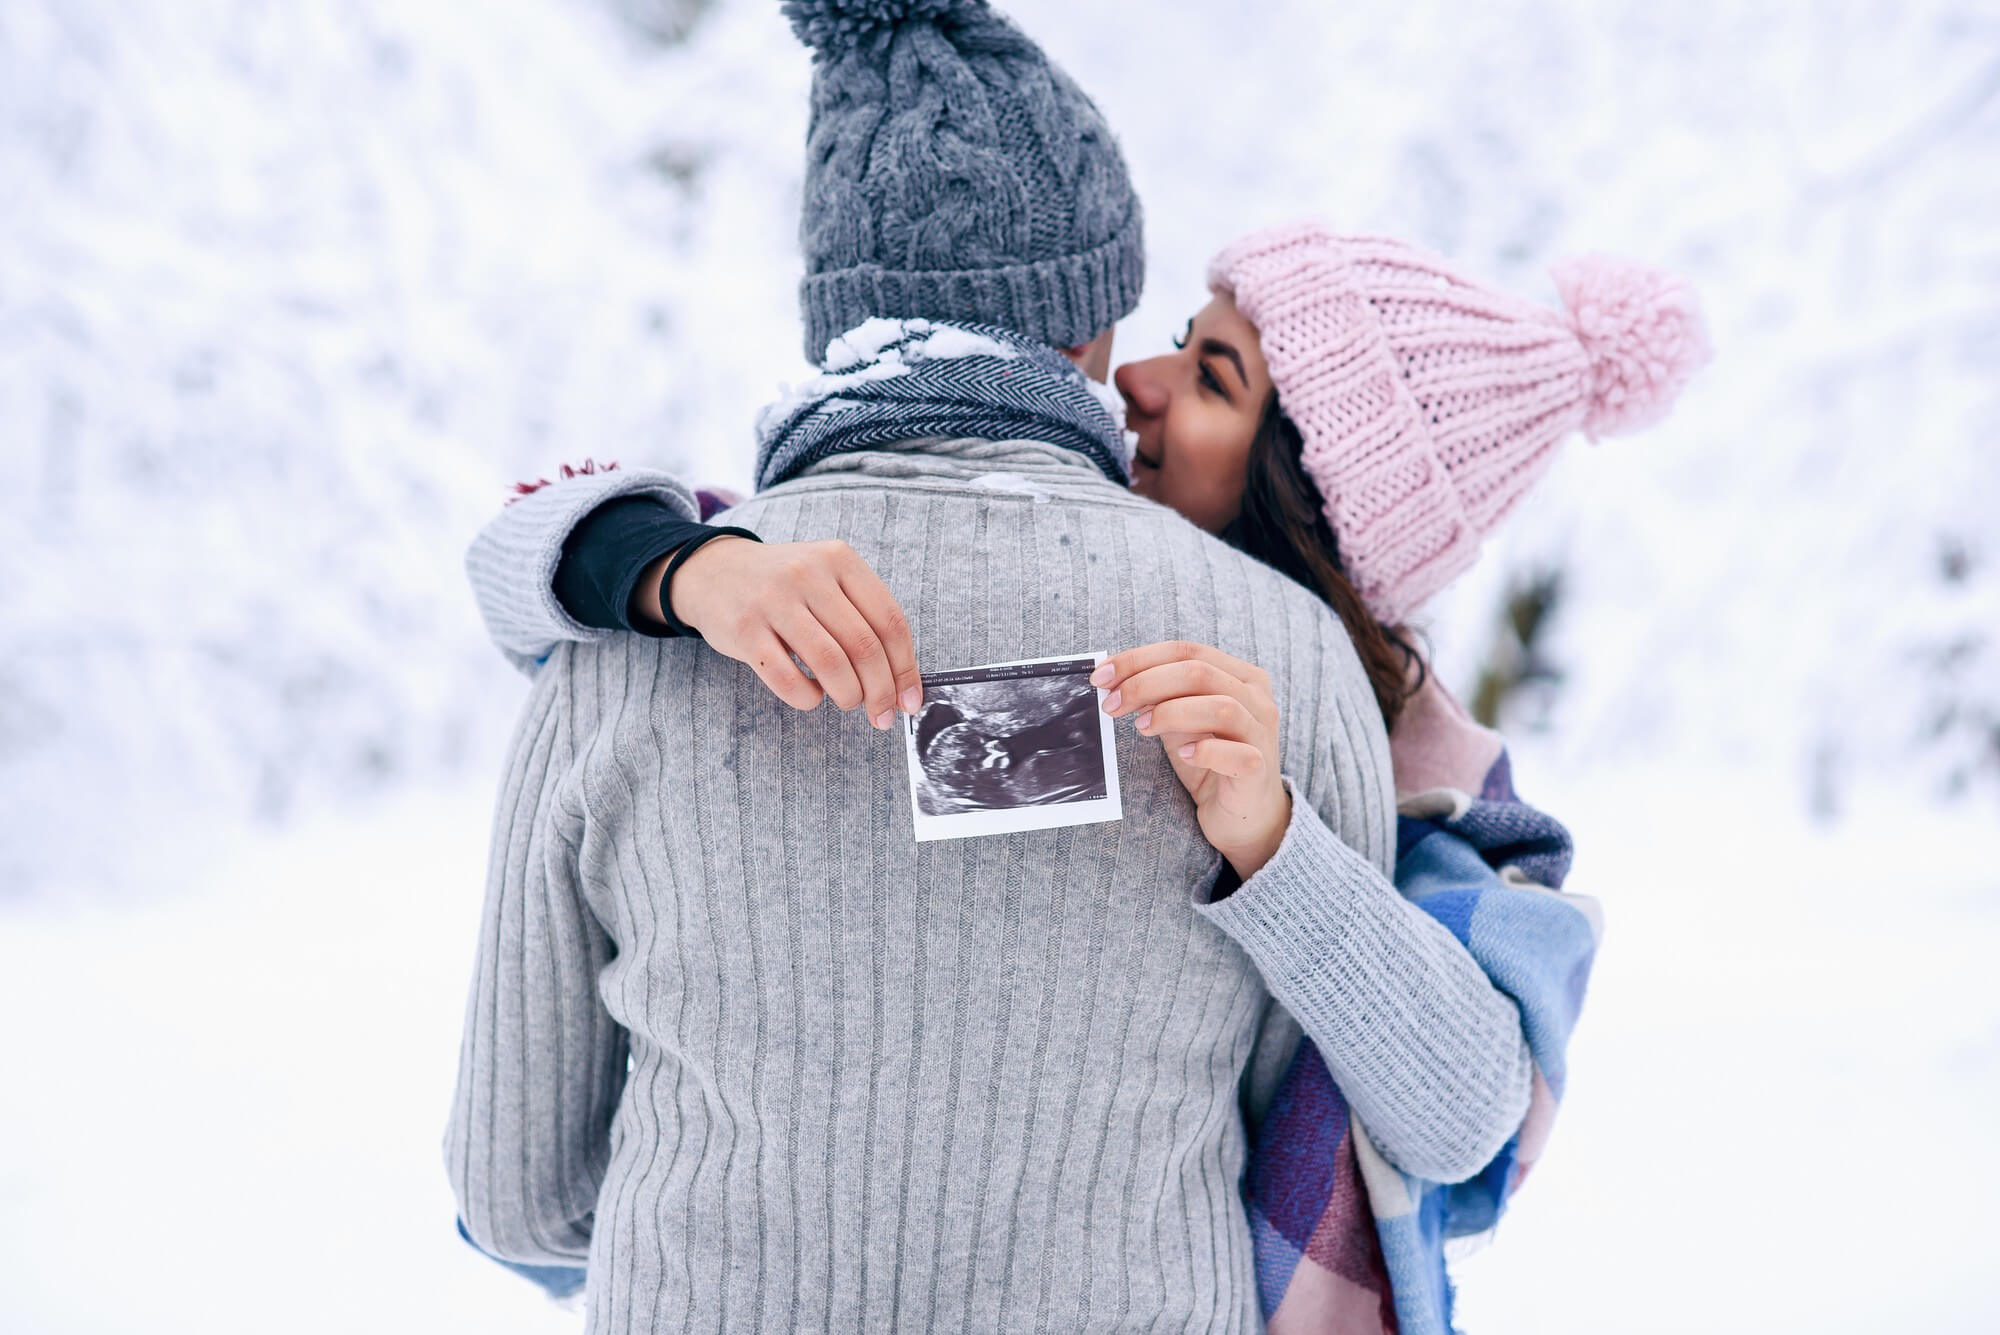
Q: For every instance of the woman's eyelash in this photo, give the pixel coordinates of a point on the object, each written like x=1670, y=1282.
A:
x=1208, y=377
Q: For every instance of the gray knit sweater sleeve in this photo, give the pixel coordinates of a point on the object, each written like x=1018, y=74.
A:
x=542, y=1064
x=1429, y=1053
x=512, y=563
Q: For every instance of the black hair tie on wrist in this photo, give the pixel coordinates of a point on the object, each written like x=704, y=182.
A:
x=675, y=626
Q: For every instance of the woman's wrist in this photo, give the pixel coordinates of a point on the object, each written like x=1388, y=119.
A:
x=600, y=579
x=684, y=615
x=645, y=611
x=1248, y=856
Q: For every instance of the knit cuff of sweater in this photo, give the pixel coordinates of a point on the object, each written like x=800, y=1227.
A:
x=512, y=563
x=1299, y=907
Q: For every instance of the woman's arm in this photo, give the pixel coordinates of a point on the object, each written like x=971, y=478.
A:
x=612, y=564
x=638, y=558
x=1430, y=1054
x=512, y=563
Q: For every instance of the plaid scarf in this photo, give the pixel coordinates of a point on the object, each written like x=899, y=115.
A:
x=889, y=381
x=1346, y=1243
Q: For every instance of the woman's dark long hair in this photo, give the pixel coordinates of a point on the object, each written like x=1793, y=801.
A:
x=1282, y=525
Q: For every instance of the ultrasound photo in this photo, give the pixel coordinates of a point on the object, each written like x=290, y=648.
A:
x=1011, y=746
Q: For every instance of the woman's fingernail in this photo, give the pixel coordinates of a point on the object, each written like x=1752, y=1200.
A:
x=913, y=700
x=1102, y=677
x=1112, y=700
x=882, y=721
x=1187, y=752
x=1144, y=720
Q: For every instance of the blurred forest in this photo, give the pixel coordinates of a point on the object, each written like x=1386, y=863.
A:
x=290, y=293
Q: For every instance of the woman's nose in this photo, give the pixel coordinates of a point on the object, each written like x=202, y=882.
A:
x=1140, y=383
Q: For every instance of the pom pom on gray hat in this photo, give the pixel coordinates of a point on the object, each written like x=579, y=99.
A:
x=832, y=27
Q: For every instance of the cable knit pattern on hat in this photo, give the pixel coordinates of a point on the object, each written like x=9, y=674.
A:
x=953, y=173
x=1429, y=404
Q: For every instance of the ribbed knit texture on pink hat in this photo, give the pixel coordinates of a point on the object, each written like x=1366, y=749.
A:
x=1428, y=403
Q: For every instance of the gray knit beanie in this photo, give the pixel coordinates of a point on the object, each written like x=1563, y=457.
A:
x=954, y=173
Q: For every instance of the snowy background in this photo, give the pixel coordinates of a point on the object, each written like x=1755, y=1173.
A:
x=290, y=292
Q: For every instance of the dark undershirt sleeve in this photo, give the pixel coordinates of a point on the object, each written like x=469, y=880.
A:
x=1227, y=883
x=604, y=556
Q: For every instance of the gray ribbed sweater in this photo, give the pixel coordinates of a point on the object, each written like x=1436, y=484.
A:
x=772, y=1065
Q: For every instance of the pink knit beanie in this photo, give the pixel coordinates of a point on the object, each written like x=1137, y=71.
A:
x=1430, y=404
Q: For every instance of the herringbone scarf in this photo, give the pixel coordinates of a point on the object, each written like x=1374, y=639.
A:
x=889, y=381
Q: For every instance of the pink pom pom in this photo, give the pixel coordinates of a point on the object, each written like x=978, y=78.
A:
x=1643, y=332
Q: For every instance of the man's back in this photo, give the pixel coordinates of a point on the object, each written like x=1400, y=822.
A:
x=985, y=1084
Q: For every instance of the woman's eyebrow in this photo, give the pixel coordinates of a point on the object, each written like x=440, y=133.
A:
x=1215, y=347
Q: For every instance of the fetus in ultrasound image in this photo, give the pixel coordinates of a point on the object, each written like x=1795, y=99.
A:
x=1016, y=741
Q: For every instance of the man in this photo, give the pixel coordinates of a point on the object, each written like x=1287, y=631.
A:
x=736, y=1038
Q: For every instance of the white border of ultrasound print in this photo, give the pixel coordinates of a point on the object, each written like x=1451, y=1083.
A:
x=970, y=824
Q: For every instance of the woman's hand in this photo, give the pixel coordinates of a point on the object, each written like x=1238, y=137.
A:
x=760, y=603
x=1219, y=723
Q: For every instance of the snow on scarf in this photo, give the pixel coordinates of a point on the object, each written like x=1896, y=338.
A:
x=1346, y=1243
x=889, y=381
